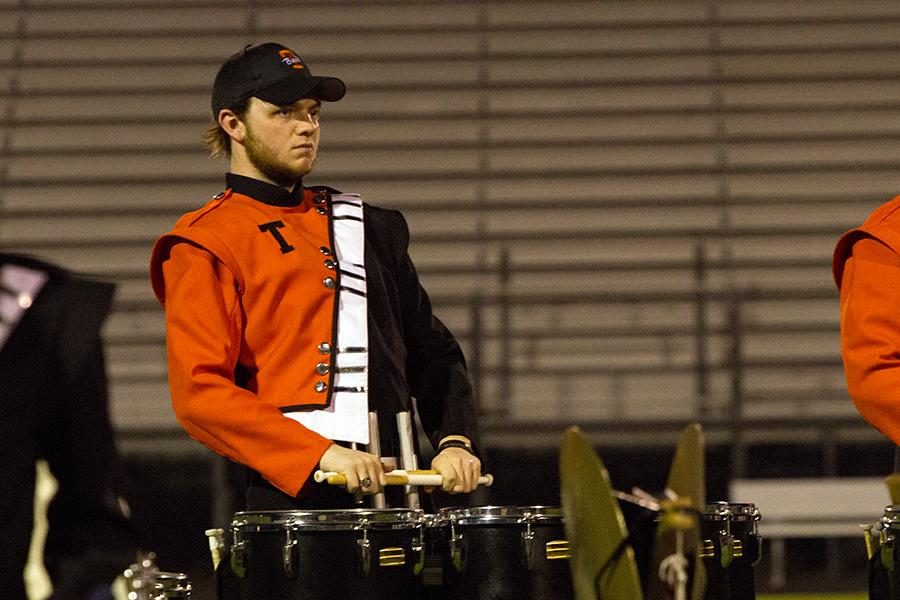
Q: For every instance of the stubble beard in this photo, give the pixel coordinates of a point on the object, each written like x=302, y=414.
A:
x=265, y=161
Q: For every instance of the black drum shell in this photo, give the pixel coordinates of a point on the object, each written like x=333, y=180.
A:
x=328, y=563
x=493, y=562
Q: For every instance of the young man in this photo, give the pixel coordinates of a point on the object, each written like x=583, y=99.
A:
x=291, y=311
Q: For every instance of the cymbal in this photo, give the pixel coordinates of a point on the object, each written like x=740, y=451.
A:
x=687, y=485
x=687, y=474
x=595, y=526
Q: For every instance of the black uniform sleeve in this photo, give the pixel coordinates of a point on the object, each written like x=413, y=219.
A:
x=436, y=367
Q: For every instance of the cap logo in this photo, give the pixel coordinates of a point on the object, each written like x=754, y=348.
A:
x=290, y=59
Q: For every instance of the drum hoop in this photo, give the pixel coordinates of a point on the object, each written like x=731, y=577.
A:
x=717, y=511
x=331, y=519
x=735, y=511
x=170, y=576
x=487, y=515
x=743, y=511
x=891, y=516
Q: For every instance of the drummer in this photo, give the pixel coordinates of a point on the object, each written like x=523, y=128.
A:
x=294, y=310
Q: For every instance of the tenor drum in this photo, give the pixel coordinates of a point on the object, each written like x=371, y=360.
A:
x=500, y=553
x=355, y=554
x=730, y=547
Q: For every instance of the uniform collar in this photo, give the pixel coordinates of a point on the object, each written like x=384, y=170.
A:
x=263, y=191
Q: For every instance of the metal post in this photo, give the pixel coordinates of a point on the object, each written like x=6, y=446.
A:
x=504, y=369
x=476, y=339
x=701, y=330
x=408, y=459
x=736, y=407
x=378, y=500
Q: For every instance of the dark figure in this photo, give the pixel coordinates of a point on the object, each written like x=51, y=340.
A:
x=54, y=400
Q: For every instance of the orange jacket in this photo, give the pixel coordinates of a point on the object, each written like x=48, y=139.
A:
x=866, y=268
x=228, y=295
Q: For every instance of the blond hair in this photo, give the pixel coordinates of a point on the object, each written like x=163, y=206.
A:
x=216, y=140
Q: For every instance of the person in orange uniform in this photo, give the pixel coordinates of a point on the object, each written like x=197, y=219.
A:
x=292, y=311
x=866, y=268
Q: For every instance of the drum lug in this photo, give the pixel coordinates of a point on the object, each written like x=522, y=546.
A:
x=887, y=551
x=365, y=547
x=418, y=548
x=290, y=555
x=456, y=547
x=729, y=547
x=528, y=540
x=237, y=559
x=757, y=546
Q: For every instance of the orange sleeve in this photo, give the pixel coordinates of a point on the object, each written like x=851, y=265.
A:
x=870, y=333
x=203, y=325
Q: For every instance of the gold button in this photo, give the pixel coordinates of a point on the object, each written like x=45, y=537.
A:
x=321, y=386
x=328, y=282
x=325, y=250
x=324, y=348
x=329, y=264
x=322, y=368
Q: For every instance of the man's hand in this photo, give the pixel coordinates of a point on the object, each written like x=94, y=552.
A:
x=460, y=469
x=363, y=471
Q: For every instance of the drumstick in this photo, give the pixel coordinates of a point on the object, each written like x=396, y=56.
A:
x=399, y=477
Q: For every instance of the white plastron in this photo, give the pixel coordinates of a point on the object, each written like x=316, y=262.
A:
x=18, y=288
x=347, y=418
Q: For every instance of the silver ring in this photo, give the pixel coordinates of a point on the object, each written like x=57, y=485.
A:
x=365, y=482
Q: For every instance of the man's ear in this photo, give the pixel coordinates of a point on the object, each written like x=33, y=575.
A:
x=232, y=125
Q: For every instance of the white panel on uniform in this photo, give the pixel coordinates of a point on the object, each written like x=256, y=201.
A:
x=347, y=417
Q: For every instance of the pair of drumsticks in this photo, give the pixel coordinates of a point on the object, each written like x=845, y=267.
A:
x=406, y=476
x=399, y=477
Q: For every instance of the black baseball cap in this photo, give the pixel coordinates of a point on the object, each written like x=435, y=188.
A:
x=273, y=73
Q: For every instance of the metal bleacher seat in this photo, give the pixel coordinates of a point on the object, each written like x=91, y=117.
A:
x=591, y=187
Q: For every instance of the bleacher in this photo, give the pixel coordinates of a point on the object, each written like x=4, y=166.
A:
x=625, y=210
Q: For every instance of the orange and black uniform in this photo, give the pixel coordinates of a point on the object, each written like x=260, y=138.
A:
x=251, y=294
x=867, y=271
